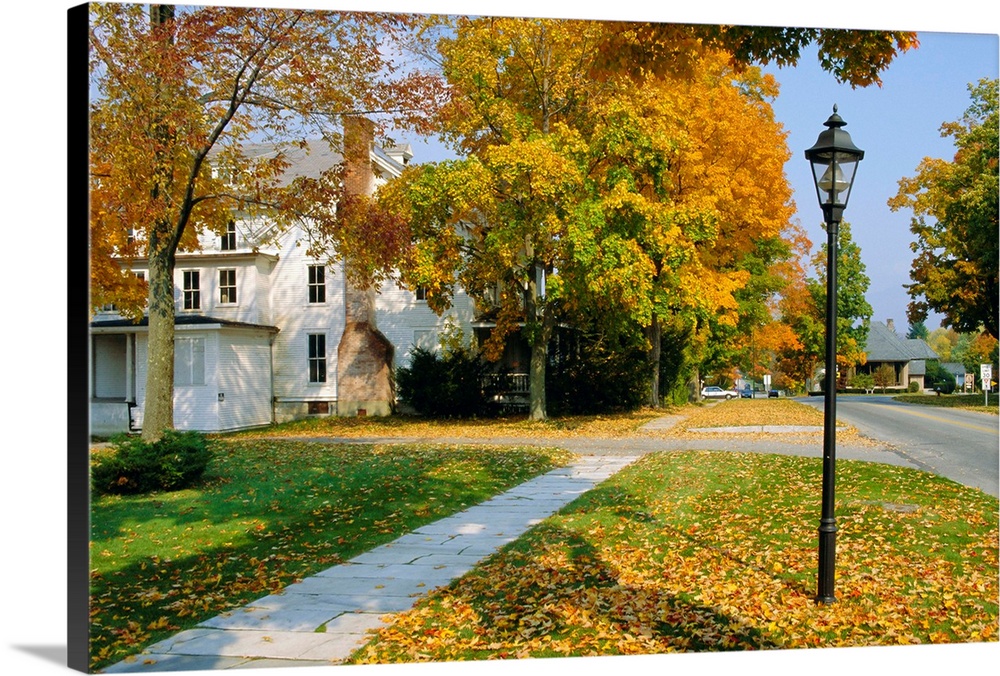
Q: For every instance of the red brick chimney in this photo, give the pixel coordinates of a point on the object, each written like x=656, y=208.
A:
x=365, y=355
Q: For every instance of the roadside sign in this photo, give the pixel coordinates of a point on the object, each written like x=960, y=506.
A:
x=986, y=375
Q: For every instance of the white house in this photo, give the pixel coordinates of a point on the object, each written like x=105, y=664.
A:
x=257, y=328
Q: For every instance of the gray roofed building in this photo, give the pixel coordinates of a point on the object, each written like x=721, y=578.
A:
x=316, y=156
x=907, y=356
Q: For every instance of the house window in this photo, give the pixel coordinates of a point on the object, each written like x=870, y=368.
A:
x=317, y=357
x=227, y=287
x=192, y=290
x=189, y=361
x=317, y=284
x=421, y=293
x=228, y=241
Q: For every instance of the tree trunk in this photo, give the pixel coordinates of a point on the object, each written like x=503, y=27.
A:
x=653, y=333
x=539, y=355
x=694, y=385
x=538, y=326
x=158, y=411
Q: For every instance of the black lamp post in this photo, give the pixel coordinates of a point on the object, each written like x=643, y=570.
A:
x=834, y=159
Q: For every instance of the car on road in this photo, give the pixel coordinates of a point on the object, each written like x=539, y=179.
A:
x=772, y=394
x=716, y=392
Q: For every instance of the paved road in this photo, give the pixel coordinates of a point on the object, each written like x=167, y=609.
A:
x=961, y=445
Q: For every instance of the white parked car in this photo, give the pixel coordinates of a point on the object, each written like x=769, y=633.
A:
x=716, y=392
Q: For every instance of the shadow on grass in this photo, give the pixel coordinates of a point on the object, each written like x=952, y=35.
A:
x=583, y=605
x=265, y=522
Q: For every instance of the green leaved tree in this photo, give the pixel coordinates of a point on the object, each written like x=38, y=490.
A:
x=955, y=206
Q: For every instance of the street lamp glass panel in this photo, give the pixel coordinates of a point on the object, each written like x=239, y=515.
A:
x=834, y=178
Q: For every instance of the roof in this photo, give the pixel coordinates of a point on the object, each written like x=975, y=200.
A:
x=317, y=156
x=180, y=320
x=885, y=345
x=954, y=368
x=920, y=349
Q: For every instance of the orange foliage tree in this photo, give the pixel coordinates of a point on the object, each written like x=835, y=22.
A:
x=585, y=195
x=176, y=94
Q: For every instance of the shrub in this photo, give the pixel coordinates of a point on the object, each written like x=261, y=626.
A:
x=452, y=384
x=174, y=462
x=885, y=376
x=914, y=386
x=863, y=381
x=938, y=378
x=597, y=379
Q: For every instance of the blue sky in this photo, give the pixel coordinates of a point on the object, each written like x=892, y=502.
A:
x=896, y=125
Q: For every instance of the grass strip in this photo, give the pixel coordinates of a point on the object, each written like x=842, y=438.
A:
x=969, y=402
x=269, y=513
x=713, y=551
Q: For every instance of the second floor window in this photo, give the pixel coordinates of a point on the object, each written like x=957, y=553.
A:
x=227, y=287
x=192, y=290
x=228, y=241
x=317, y=284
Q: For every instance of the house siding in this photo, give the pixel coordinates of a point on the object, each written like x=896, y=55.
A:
x=298, y=318
x=195, y=406
x=262, y=374
x=244, y=382
x=408, y=322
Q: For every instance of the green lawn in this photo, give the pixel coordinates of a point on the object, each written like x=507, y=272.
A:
x=269, y=513
x=708, y=551
x=971, y=402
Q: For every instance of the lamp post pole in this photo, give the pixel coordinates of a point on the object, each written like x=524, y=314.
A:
x=834, y=159
x=828, y=519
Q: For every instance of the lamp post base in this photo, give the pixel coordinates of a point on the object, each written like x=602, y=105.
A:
x=827, y=561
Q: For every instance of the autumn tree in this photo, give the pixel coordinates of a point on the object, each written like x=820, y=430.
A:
x=856, y=57
x=955, y=206
x=973, y=349
x=627, y=203
x=177, y=93
x=943, y=341
x=884, y=376
x=497, y=221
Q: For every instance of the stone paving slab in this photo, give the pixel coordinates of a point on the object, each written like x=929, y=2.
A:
x=326, y=617
x=162, y=662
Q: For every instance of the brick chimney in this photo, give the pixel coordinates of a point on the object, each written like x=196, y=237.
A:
x=891, y=324
x=365, y=355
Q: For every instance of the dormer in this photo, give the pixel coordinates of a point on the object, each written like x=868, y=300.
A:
x=400, y=153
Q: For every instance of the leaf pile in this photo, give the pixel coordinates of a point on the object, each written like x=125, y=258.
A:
x=597, y=426
x=744, y=412
x=703, y=551
x=266, y=515
x=757, y=412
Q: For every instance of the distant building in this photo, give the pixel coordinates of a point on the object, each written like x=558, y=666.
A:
x=907, y=356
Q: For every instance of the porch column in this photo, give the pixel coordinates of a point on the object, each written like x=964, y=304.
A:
x=129, y=367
